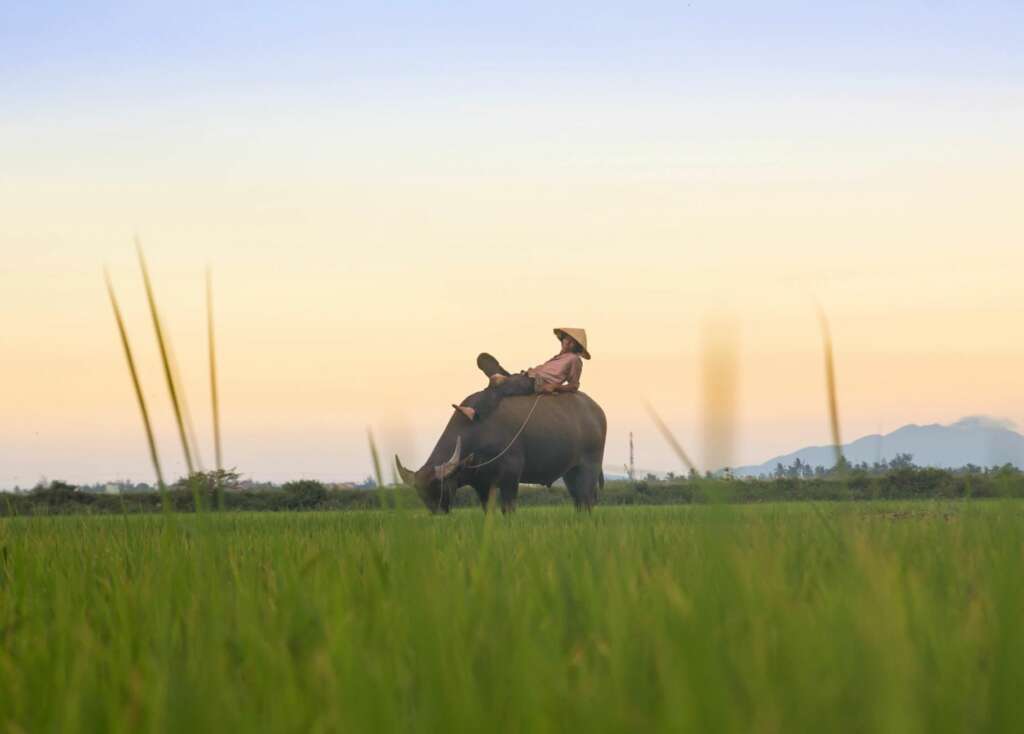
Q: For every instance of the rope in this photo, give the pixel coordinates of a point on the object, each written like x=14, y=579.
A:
x=518, y=433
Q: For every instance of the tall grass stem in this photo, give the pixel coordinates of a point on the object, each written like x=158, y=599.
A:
x=670, y=438
x=165, y=359
x=147, y=425
x=830, y=382
x=214, y=395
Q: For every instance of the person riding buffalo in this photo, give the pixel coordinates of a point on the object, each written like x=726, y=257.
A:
x=561, y=373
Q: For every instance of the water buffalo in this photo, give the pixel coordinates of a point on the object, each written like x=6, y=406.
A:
x=563, y=439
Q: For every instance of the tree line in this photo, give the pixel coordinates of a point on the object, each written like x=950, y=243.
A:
x=226, y=491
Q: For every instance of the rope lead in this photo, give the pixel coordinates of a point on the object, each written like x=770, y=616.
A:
x=518, y=433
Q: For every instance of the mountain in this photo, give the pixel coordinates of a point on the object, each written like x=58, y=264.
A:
x=979, y=440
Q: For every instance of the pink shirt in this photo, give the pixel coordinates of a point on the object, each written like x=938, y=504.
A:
x=561, y=368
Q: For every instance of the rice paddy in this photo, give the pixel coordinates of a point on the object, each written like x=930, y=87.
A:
x=801, y=617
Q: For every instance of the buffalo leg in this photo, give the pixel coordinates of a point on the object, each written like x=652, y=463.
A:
x=489, y=496
x=582, y=482
x=508, y=487
x=483, y=493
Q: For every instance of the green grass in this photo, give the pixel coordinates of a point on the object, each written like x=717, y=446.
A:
x=799, y=617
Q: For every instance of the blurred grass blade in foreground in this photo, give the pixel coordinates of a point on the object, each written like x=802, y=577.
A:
x=375, y=455
x=186, y=413
x=379, y=475
x=719, y=376
x=830, y=382
x=214, y=397
x=670, y=438
x=154, y=457
x=165, y=359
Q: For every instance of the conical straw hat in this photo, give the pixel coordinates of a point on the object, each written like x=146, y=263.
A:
x=577, y=335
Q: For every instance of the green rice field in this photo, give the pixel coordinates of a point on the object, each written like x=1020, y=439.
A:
x=860, y=617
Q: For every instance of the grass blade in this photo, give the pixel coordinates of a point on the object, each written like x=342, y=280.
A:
x=719, y=377
x=375, y=455
x=165, y=360
x=830, y=382
x=190, y=429
x=212, y=348
x=670, y=438
x=147, y=425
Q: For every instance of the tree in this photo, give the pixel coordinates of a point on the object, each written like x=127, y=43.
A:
x=902, y=461
x=842, y=466
x=56, y=493
x=218, y=479
x=211, y=484
x=305, y=493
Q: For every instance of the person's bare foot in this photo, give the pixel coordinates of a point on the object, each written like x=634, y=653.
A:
x=497, y=380
x=466, y=411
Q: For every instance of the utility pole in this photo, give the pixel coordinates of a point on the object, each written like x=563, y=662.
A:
x=632, y=471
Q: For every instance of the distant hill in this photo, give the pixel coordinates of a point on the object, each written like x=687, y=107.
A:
x=980, y=440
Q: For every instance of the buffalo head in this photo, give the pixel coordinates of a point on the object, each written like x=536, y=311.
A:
x=435, y=484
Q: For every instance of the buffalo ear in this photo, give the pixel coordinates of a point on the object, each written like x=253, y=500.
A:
x=467, y=461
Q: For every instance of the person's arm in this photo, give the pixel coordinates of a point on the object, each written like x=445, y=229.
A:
x=572, y=377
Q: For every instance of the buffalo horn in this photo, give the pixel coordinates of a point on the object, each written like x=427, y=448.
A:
x=448, y=468
x=406, y=475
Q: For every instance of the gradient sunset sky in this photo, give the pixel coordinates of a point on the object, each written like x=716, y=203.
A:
x=382, y=191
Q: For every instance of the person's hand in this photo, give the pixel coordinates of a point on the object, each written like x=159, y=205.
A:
x=548, y=388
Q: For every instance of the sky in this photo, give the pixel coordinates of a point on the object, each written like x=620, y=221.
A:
x=381, y=191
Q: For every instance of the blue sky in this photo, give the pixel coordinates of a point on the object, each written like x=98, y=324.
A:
x=543, y=80
x=148, y=49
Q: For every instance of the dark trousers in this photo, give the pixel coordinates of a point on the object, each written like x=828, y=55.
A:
x=486, y=402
